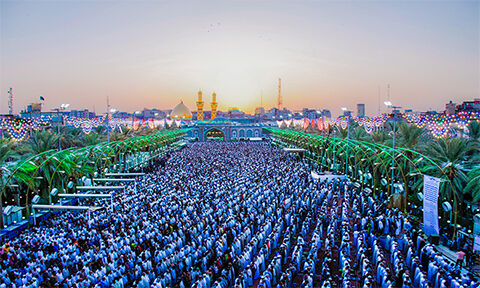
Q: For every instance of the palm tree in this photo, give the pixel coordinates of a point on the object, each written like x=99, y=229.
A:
x=359, y=133
x=6, y=154
x=451, y=156
x=92, y=139
x=473, y=186
x=100, y=129
x=118, y=136
x=70, y=137
x=412, y=138
x=380, y=137
x=42, y=141
x=342, y=133
x=474, y=130
x=23, y=175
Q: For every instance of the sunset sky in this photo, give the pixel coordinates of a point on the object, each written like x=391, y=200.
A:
x=155, y=53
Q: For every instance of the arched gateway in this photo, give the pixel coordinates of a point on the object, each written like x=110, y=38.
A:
x=214, y=134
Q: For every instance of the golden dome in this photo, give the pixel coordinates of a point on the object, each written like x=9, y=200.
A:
x=181, y=112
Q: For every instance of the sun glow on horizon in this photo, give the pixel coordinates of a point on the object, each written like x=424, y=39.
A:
x=328, y=54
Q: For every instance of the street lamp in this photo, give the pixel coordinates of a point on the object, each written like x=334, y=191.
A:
x=61, y=108
x=345, y=112
x=113, y=111
x=389, y=105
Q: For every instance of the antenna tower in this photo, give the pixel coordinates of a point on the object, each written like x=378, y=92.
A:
x=261, y=98
x=10, y=101
x=379, y=100
x=108, y=118
x=279, y=100
x=388, y=92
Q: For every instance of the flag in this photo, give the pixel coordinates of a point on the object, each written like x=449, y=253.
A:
x=41, y=98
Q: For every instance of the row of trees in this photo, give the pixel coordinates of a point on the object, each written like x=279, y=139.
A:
x=368, y=159
x=36, y=166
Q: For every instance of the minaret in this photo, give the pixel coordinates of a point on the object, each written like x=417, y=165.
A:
x=214, y=106
x=200, y=107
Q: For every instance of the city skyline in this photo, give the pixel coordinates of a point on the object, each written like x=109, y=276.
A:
x=155, y=54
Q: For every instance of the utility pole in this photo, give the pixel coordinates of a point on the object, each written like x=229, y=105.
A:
x=108, y=119
x=261, y=98
x=279, y=100
x=379, y=101
x=10, y=101
x=347, y=112
x=389, y=105
x=60, y=122
x=58, y=131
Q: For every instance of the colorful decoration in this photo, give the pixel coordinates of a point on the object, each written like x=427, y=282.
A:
x=320, y=124
x=19, y=128
x=306, y=123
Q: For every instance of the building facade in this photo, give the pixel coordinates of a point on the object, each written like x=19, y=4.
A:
x=226, y=131
x=360, y=110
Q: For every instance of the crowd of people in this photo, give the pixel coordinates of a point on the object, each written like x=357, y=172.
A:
x=221, y=214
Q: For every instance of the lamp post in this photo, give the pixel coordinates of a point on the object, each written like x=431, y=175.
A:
x=334, y=146
x=113, y=111
x=58, y=109
x=389, y=105
x=345, y=112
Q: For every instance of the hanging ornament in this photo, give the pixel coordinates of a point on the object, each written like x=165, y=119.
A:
x=320, y=124
x=306, y=123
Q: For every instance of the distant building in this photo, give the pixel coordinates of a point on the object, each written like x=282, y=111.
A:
x=82, y=114
x=311, y=113
x=450, y=108
x=274, y=112
x=286, y=113
x=260, y=111
x=34, y=108
x=360, y=110
x=234, y=112
x=326, y=113
x=207, y=115
x=147, y=114
x=431, y=112
x=181, y=112
x=119, y=114
x=469, y=106
x=222, y=130
x=151, y=114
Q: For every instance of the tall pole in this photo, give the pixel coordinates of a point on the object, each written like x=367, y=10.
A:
x=108, y=119
x=279, y=100
x=347, y=113
x=393, y=153
x=261, y=98
x=389, y=105
x=334, y=146
x=10, y=101
x=379, y=100
x=58, y=130
x=348, y=143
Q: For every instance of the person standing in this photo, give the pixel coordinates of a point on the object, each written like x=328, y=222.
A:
x=460, y=256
